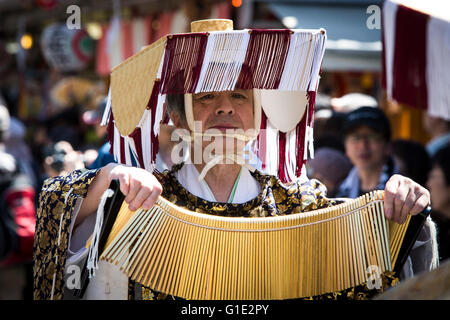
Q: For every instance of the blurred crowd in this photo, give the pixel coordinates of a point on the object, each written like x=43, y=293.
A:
x=71, y=139
x=354, y=154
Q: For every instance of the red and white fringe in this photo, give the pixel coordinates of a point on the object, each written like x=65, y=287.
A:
x=265, y=59
x=224, y=56
x=183, y=60
x=438, y=67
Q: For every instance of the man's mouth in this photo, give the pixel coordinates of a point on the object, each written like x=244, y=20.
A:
x=223, y=127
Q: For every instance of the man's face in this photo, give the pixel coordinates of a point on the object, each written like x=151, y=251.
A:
x=228, y=112
x=366, y=148
x=439, y=190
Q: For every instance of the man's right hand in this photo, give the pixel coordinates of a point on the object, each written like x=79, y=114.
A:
x=140, y=187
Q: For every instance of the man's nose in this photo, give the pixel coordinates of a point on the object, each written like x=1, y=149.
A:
x=224, y=106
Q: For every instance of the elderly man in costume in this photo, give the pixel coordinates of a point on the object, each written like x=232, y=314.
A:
x=223, y=89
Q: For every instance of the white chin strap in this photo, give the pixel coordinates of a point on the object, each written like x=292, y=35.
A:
x=237, y=157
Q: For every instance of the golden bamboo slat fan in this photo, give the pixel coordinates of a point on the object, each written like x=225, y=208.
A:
x=199, y=256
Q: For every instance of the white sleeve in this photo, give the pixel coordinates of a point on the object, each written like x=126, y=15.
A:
x=424, y=255
x=78, y=236
x=109, y=282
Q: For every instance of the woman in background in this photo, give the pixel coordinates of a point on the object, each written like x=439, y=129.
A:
x=411, y=159
x=439, y=186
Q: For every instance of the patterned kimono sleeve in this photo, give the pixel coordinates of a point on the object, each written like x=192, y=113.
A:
x=57, y=202
x=313, y=195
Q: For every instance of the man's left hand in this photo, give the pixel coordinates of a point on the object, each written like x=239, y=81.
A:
x=403, y=196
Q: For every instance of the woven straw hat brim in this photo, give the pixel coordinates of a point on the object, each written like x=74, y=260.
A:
x=136, y=74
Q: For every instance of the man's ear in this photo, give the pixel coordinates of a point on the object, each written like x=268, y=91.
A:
x=176, y=119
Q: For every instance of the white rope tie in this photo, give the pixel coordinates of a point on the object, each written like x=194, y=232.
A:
x=310, y=145
x=235, y=157
x=238, y=158
x=92, y=262
x=107, y=111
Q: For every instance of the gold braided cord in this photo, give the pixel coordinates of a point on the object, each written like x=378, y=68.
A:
x=199, y=256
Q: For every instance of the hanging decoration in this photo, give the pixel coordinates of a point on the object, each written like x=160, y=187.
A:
x=66, y=49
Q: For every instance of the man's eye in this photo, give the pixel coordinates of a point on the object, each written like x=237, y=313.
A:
x=238, y=96
x=206, y=97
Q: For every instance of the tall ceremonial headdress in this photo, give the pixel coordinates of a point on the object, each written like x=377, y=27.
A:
x=282, y=66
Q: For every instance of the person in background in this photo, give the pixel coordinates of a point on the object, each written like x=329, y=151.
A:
x=340, y=107
x=89, y=156
x=411, y=159
x=439, y=131
x=330, y=166
x=66, y=126
x=328, y=122
x=61, y=159
x=329, y=133
x=367, y=135
x=17, y=222
x=15, y=145
x=94, y=118
x=439, y=185
x=352, y=101
x=322, y=112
